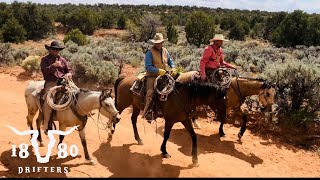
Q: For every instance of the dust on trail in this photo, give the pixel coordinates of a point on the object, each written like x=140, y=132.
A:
x=122, y=157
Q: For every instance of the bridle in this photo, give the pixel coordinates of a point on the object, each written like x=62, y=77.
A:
x=265, y=96
x=103, y=96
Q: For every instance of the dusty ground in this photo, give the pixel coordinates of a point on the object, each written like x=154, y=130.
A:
x=122, y=157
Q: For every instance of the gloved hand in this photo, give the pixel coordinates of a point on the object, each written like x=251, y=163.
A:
x=173, y=71
x=162, y=72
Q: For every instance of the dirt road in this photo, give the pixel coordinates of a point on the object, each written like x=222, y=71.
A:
x=122, y=157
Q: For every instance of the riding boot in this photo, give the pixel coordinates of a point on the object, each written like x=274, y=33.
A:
x=147, y=112
x=46, y=109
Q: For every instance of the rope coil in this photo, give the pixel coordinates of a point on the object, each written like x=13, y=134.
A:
x=225, y=80
x=71, y=91
x=169, y=86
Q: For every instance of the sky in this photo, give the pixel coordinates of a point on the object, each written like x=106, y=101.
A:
x=309, y=6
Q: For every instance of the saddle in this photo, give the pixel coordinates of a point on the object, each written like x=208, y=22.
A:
x=39, y=94
x=220, y=76
x=164, y=85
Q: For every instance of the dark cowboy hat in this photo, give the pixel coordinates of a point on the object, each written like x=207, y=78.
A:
x=54, y=44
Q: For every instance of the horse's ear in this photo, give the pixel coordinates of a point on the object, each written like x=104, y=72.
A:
x=107, y=92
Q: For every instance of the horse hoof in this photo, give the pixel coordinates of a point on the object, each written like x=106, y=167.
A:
x=41, y=144
x=91, y=162
x=195, y=163
x=140, y=143
x=166, y=155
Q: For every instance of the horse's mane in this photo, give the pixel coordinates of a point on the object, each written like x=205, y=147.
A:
x=203, y=89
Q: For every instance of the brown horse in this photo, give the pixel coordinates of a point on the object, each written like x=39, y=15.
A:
x=240, y=88
x=178, y=107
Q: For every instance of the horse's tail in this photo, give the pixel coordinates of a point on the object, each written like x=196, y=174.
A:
x=116, y=84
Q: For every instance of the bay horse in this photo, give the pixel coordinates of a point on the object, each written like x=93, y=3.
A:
x=178, y=107
x=240, y=88
x=85, y=102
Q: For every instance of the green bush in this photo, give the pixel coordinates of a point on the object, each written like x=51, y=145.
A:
x=199, y=29
x=298, y=85
x=13, y=31
x=76, y=36
x=172, y=33
x=31, y=63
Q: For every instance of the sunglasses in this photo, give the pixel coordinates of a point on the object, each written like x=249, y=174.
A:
x=55, y=49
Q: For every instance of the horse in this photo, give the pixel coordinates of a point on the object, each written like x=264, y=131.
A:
x=240, y=88
x=85, y=102
x=178, y=107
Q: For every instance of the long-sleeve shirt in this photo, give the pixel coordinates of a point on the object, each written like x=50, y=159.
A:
x=209, y=59
x=149, y=66
x=52, y=73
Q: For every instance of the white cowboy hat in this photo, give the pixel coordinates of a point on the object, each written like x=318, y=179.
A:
x=218, y=37
x=158, y=38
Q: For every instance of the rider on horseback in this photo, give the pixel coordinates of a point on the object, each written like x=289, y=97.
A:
x=156, y=60
x=213, y=57
x=53, y=68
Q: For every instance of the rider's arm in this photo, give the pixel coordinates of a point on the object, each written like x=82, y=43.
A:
x=67, y=66
x=148, y=63
x=170, y=61
x=46, y=69
x=223, y=62
x=205, y=59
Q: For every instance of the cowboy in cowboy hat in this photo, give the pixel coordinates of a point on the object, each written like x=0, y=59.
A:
x=213, y=57
x=157, y=60
x=54, y=68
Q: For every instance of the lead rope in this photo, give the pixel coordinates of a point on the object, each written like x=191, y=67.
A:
x=96, y=123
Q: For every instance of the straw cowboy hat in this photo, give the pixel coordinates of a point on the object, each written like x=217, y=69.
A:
x=55, y=45
x=218, y=37
x=158, y=38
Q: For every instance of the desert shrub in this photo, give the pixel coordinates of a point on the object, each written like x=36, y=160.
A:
x=298, y=86
x=88, y=69
x=31, y=63
x=6, y=57
x=76, y=36
x=20, y=54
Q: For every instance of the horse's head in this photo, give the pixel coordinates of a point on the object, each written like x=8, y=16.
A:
x=266, y=96
x=108, y=108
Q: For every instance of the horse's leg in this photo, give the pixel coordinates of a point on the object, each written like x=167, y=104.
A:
x=243, y=126
x=187, y=124
x=61, y=128
x=39, y=121
x=84, y=145
x=166, y=134
x=195, y=123
x=221, y=115
x=134, y=117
